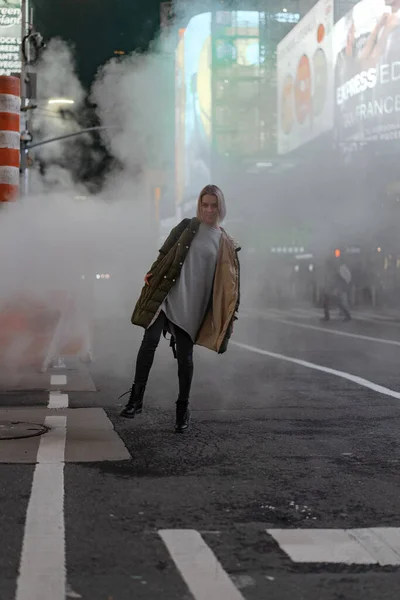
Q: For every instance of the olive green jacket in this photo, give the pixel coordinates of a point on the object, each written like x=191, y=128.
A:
x=224, y=303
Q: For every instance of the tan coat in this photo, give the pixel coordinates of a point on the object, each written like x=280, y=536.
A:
x=218, y=323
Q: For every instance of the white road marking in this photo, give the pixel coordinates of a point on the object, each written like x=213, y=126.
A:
x=356, y=316
x=303, y=363
x=347, y=546
x=321, y=546
x=303, y=313
x=199, y=567
x=58, y=380
x=42, y=573
x=390, y=535
x=377, y=546
x=356, y=336
x=315, y=312
x=57, y=400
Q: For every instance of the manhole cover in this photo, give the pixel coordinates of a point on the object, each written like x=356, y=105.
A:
x=14, y=430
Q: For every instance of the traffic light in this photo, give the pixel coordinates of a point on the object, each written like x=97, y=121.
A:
x=337, y=253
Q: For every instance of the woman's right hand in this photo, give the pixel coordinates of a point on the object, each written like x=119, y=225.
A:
x=147, y=278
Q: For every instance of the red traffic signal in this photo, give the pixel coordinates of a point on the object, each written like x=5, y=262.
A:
x=337, y=253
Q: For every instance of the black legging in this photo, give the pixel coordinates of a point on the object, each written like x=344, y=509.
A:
x=184, y=351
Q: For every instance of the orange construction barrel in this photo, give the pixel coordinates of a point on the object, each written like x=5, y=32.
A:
x=10, y=156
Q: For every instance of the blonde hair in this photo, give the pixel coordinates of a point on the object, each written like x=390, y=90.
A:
x=213, y=190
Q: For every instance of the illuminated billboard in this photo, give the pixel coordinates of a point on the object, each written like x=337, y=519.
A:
x=367, y=73
x=180, y=108
x=219, y=110
x=238, y=98
x=305, y=79
x=194, y=99
x=10, y=36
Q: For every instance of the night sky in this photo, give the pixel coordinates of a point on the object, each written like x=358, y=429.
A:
x=98, y=27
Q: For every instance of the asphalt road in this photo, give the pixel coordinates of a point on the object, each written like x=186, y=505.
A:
x=296, y=428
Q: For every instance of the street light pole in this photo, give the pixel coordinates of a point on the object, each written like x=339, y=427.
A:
x=66, y=136
x=24, y=28
x=24, y=100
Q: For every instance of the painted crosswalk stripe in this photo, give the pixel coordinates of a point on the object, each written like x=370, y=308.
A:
x=383, y=543
x=42, y=572
x=199, y=567
x=58, y=380
x=375, y=545
x=57, y=400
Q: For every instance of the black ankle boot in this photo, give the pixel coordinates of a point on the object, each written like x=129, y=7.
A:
x=135, y=404
x=182, y=417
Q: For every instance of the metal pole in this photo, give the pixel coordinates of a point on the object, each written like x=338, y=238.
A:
x=23, y=34
x=24, y=101
x=68, y=135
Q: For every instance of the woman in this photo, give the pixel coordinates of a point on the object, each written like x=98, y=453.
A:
x=192, y=291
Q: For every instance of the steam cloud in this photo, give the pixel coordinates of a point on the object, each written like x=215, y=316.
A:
x=56, y=236
x=61, y=236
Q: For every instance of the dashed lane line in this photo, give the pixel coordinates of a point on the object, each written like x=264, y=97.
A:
x=356, y=336
x=42, y=573
x=57, y=400
x=302, y=363
x=313, y=313
x=58, y=380
x=199, y=567
x=309, y=313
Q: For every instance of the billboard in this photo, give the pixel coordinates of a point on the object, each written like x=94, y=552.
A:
x=194, y=66
x=305, y=79
x=180, y=106
x=366, y=46
x=239, y=102
x=10, y=36
x=217, y=100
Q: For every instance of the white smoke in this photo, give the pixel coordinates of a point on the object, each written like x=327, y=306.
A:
x=60, y=237
x=60, y=101
x=67, y=235
x=57, y=79
x=132, y=103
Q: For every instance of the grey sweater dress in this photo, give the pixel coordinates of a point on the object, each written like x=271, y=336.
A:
x=187, y=302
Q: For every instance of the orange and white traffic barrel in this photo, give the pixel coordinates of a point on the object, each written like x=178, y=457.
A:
x=10, y=155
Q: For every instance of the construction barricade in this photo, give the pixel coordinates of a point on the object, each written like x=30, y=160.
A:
x=10, y=154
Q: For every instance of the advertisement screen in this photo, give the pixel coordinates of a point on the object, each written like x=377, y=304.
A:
x=305, y=79
x=367, y=73
x=195, y=111
x=239, y=102
x=180, y=106
x=10, y=36
x=227, y=121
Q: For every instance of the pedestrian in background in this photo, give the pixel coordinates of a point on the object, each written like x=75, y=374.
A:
x=337, y=279
x=192, y=291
